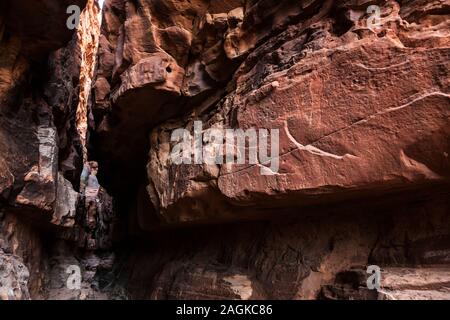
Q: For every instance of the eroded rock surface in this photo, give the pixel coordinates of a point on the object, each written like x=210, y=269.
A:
x=362, y=112
x=14, y=278
x=42, y=144
x=324, y=254
x=88, y=184
x=358, y=112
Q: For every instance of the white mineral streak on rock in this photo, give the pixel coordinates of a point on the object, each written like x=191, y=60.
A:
x=47, y=153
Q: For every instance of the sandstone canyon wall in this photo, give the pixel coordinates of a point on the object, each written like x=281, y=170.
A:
x=44, y=215
x=362, y=113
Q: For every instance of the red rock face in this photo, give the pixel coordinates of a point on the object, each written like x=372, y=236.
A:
x=358, y=92
x=324, y=254
x=358, y=112
x=41, y=149
x=30, y=102
x=361, y=104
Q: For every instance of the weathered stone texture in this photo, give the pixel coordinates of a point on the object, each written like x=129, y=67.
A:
x=358, y=112
x=41, y=144
x=363, y=117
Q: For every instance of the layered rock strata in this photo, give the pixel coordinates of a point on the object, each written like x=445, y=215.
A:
x=42, y=89
x=359, y=93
